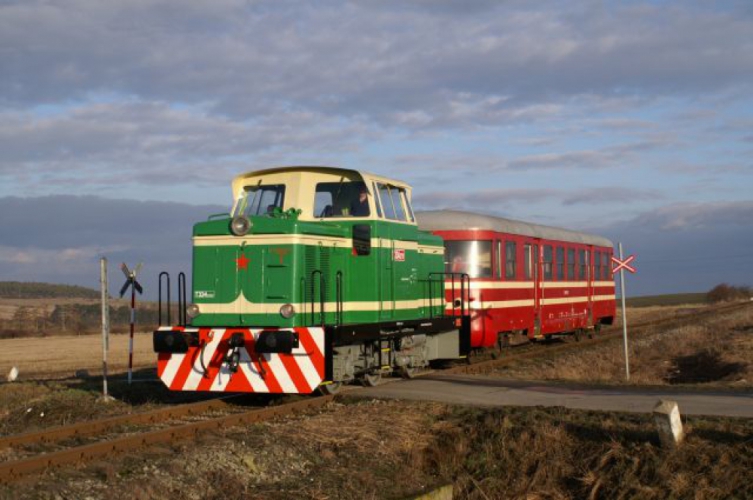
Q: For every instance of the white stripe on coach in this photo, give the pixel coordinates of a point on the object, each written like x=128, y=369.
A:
x=197, y=372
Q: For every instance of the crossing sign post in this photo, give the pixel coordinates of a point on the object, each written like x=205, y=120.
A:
x=623, y=264
x=135, y=286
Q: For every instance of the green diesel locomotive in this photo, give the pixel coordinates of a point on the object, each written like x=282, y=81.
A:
x=318, y=277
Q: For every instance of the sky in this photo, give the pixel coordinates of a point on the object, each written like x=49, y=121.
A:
x=123, y=123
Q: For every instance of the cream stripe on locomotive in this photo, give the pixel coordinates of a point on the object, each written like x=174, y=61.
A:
x=242, y=304
x=307, y=239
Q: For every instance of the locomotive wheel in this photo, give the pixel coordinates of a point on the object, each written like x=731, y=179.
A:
x=371, y=379
x=330, y=389
x=408, y=372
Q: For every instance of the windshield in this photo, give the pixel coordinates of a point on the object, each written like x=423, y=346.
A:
x=260, y=200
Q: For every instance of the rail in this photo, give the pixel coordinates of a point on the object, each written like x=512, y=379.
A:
x=14, y=470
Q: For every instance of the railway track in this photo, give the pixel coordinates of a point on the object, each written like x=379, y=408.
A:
x=34, y=462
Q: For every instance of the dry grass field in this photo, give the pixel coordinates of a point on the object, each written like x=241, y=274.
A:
x=63, y=355
x=716, y=352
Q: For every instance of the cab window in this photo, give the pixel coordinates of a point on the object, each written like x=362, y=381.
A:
x=260, y=200
x=391, y=199
x=341, y=199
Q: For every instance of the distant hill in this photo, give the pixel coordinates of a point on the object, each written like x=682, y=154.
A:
x=31, y=290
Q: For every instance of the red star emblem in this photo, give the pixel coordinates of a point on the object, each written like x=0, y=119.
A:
x=242, y=262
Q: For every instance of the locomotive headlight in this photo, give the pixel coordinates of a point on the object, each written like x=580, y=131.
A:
x=287, y=311
x=240, y=225
x=193, y=310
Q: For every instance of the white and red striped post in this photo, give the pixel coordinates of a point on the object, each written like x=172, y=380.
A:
x=135, y=287
x=130, y=339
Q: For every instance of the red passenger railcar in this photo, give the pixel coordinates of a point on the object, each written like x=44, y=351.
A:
x=525, y=278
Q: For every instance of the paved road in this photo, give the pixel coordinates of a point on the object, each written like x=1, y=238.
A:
x=488, y=391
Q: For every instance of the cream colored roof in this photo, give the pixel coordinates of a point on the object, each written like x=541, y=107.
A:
x=239, y=180
x=301, y=180
x=449, y=220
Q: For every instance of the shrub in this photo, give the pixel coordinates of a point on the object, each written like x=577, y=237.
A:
x=727, y=293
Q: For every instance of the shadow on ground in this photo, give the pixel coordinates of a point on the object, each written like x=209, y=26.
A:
x=704, y=366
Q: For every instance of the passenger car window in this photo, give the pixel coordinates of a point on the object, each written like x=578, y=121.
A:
x=470, y=257
x=548, y=262
x=527, y=261
x=571, y=263
x=560, y=264
x=510, y=252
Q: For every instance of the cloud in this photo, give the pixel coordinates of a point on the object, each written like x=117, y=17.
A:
x=381, y=61
x=491, y=200
x=60, y=238
x=687, y=247
x=694, y=216
x=114, y=143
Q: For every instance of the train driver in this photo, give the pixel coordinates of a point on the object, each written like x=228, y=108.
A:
x=360, y=207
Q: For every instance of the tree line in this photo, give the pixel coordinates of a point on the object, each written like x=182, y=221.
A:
x=33, y=290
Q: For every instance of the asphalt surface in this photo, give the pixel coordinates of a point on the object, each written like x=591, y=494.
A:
x=488, y=391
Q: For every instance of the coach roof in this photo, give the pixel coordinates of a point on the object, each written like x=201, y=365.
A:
x=455, y=220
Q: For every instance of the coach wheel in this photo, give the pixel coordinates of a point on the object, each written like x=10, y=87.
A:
x=590, y=334
x=330, y=389
x=577, y=335
x=371, y=379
